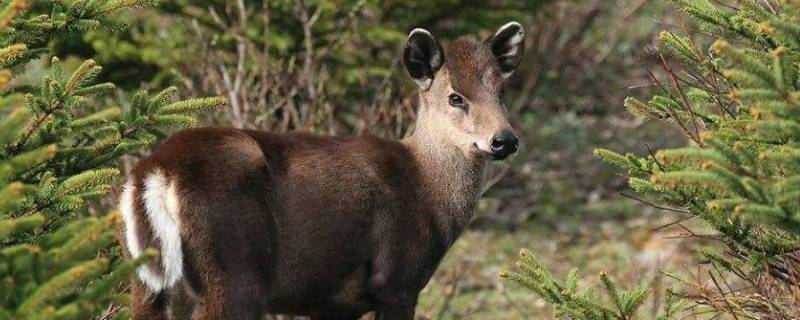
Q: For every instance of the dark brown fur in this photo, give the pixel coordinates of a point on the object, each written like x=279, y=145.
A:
x=474, y=71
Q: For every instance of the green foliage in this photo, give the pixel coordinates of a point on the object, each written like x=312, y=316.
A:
x=335, y=62
x=580, y=303
x=381, y=26
x=739, y=108
x=744, y=124
x=59, y=144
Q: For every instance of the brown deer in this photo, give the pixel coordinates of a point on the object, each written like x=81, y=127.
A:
x=250, y=223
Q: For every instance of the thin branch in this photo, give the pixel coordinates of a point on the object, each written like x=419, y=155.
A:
x=655, y=205
x=683, y=97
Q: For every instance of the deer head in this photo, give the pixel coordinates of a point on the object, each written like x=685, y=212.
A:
x=461, y=90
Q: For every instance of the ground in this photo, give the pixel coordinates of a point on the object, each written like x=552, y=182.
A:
x=467, y=285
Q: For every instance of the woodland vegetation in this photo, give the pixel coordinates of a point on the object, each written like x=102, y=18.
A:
x=659, y=176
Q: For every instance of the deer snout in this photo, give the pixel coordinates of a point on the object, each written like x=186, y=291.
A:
x=503, y=144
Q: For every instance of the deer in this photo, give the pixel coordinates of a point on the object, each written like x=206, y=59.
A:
x=248, y=223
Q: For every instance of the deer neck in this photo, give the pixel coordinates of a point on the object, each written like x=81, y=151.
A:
x=450, y=182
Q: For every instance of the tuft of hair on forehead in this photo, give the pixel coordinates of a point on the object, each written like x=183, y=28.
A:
x=472, y=67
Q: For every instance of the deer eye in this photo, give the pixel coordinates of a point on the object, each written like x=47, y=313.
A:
x=457, y=101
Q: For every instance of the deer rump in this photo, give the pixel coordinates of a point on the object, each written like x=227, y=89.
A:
x=289, y=223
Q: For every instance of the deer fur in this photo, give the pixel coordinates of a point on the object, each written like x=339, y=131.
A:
x=251, y=222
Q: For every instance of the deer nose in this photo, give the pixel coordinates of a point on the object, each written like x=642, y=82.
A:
x=504, y=143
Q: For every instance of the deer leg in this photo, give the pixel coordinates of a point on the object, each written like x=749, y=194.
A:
x=395, y=302
x=395, y=312
x=226, y=308
x=233, y=297
x=145, y=305
x=181, y=303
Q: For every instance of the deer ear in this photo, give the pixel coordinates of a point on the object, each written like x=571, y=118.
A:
x=508, y=45
x=423, y=56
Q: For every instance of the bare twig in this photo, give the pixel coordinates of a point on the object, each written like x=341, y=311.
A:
x=652, y=204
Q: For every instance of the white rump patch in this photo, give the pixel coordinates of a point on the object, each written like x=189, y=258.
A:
x=162, y=205
x=126, y=207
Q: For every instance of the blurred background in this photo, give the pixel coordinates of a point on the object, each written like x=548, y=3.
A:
x=333, y=67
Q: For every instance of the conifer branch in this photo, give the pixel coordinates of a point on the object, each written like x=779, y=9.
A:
x=58, y=149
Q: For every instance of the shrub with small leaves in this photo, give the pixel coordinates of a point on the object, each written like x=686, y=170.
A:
x=59, y=145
